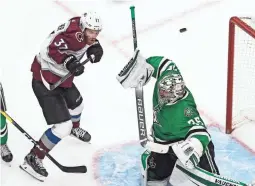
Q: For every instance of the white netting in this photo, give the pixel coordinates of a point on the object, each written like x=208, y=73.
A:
x=244, y=75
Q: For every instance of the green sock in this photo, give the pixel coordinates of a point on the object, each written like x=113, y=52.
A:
x=3, y=129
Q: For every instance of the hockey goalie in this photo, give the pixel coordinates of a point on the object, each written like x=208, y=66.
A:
x=181, y=152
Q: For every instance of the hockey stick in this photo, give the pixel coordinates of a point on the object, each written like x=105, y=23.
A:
x=55, y=85
x=139, y=92
x=76, y=169
x=2, y=98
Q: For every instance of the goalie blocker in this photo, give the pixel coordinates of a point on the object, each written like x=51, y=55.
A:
x=135, y=72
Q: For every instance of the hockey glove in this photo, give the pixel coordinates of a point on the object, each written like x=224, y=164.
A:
x=96, y=50
x=73, y=65
x=188, y=152
x=136, y=72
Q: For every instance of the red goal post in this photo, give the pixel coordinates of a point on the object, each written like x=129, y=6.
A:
x=241, y=73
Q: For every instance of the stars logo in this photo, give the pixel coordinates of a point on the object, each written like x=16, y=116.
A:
x=188, y=112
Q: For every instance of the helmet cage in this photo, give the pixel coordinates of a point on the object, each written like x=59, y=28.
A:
x=171, y=88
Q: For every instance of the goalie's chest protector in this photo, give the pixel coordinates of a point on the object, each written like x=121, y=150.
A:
x=172, y=122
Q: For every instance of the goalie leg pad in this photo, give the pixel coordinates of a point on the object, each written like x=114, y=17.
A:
x=144, y=166
x=144, y=159
x=188, y=152
x=136, y=72
x=178, y=177
x=207, y=161
x=158, y=183
x=157, y=167
x=197, y=176
x=145, y=162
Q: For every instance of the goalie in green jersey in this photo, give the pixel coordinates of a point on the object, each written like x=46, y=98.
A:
x=6, y=154
x=181, y=151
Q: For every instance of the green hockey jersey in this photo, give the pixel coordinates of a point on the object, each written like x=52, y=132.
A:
x=176, y=121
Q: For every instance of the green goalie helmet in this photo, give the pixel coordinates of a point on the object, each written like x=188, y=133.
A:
x=171, y=88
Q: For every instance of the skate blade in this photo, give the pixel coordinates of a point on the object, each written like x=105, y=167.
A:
x=89, y=142
x=31, y=172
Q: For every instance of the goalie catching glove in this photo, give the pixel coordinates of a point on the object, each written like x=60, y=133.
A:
x=136, y=72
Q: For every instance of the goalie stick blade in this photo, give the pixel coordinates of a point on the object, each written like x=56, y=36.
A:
x=77, y=169
x=143, y=142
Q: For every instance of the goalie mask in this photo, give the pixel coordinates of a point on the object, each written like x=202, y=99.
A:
x=171, y=88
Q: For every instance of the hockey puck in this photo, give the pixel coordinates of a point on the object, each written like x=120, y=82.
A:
x=183, y=30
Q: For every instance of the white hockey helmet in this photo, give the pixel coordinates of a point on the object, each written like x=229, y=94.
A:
x=91, y=20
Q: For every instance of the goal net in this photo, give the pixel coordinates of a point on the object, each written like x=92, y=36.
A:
x=241, y=73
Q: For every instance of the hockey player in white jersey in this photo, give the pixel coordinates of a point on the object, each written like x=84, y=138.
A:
x=62, y=107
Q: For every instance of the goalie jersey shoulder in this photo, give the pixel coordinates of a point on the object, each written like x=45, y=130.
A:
x=162, y=66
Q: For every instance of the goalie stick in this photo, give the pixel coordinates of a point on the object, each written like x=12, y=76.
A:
x=143, y=137
x=139, y=93
x=55, y=85
x=75, y=169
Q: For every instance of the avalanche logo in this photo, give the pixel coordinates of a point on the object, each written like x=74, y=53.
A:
x=79, y=36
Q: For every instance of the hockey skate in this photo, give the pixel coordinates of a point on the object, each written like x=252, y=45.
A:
x=6, y=153
x=81, y=134
x=34, y=166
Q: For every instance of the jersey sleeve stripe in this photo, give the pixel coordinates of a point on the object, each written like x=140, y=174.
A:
x=210, y=161
x=201, y=132
x=162, y=66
